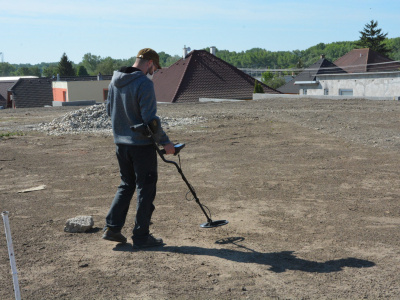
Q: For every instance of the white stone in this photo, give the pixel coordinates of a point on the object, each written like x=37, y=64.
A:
x=79, y=224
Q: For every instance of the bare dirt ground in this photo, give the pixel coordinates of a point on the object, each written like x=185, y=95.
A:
x=311, y=189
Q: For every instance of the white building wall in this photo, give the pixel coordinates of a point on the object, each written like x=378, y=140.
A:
x=59, y=85
x=363, y=84
x=83, y=90
x=87, y=90
x=311, y=90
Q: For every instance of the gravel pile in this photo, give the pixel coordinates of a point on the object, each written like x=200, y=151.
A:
x=94, y=119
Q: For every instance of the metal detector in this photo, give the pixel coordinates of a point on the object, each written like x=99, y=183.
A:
x=150, y=130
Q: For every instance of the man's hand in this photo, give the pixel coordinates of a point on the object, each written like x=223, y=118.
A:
x=169, y=148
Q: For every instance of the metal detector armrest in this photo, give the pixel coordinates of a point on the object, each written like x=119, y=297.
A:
x=141, y=128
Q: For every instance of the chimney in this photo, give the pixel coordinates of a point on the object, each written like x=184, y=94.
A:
x=322, y=55
x=184, y=52
x=58, y=77
x=212, y=50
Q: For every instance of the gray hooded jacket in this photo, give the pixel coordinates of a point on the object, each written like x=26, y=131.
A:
x=132, y=101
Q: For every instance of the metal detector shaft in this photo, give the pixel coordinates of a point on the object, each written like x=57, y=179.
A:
x=186, y=181
x=147, y=131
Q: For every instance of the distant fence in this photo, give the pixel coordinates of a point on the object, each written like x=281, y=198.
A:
x=258, y=72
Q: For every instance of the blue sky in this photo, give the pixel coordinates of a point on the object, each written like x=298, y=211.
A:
x=42, y=30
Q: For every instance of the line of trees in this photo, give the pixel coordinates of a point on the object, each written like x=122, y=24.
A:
x=261, y=58
x=371, y=37
x=90, y=65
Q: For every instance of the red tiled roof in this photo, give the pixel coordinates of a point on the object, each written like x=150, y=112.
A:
x=366, y=60
x=203, y=75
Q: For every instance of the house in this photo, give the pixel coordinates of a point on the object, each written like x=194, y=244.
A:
x=5, y=84
x=307, y=78
x=360, y=73
x=30, y=92
x=368, y=75
x=200, y=74
x=45, y=91
x=4, y=94
x=80, y=90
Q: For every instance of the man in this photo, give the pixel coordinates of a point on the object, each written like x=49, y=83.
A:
x=131, y=101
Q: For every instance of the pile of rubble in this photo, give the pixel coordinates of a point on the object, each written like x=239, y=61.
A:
x=94, y=119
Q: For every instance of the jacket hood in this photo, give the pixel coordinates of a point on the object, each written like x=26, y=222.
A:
x=122, y=77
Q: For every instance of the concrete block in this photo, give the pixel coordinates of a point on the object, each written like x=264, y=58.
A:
x=75, y=103
x=79, y=224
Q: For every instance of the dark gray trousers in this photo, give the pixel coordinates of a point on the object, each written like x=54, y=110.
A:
x=138, y=170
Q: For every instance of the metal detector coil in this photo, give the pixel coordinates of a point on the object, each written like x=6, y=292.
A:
x=213, y=224
x=147, y=130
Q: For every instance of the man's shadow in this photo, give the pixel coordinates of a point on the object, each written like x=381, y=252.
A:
x=278, y=261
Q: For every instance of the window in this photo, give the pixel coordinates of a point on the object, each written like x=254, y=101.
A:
x=105, y=94
x=326, y=92
x=304, y=91
x=346, y=92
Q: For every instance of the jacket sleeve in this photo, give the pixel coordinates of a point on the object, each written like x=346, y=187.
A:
x=148, y=109
x=108, y=103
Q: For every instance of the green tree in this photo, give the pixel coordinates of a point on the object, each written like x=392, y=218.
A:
x=65, y=67
x=128, y=62
x=35, y=71
x=82, y=71
x=163, y=58
x=22, y=71
x=171, y=60
x=372, y=38
x=276, y=82
x=266, y=76
x=28, y=71
x=272, y=80
x=394, y=45
x=258, y=88
x=299, y=64
x=90, y=62
x=50, y=70
x=6, y=69
x=107, y=66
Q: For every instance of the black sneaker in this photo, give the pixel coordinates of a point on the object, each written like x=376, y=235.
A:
x=150, y=242
x=113, y=236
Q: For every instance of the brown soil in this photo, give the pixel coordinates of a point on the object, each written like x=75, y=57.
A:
x=311, y=189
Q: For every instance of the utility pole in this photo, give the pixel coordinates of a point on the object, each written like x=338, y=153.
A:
x=2, y=57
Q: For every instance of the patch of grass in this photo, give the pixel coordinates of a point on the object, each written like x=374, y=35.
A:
x=10, y=134
x=7, y=119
